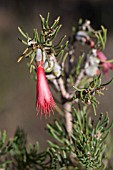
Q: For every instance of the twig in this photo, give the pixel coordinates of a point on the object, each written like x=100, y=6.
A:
x=64, y=93
x=68, y=116
x=80, y=76
x=67, y=106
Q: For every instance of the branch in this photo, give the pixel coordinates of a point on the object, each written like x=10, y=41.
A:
x=64, y=93
x=80, y=76
x=68, y=116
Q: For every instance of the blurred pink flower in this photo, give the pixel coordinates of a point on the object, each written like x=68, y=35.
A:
x=106, y=65
x=44, y=100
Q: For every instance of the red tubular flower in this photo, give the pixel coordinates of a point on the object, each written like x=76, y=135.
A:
x=106, y=65
x=44, y=100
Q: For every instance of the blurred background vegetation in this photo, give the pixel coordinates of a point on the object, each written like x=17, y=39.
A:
x=17, y=90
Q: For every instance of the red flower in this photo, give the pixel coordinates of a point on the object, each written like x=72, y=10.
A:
x=106, y=65
x=44, y=100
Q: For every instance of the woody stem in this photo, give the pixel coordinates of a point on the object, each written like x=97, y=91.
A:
x=68, y=116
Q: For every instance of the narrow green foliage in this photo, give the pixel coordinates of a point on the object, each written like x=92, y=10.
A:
x=27, y=157
x=87, y=94
x=86, y=144
x=78, y=67
x=101, y=38
x=5, y=148
x=89, y=139
x=24, y=35
x=59, y=152
x=44, y=41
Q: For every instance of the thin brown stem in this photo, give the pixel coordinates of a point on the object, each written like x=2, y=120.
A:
x=64, y=93
x=68, y=116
